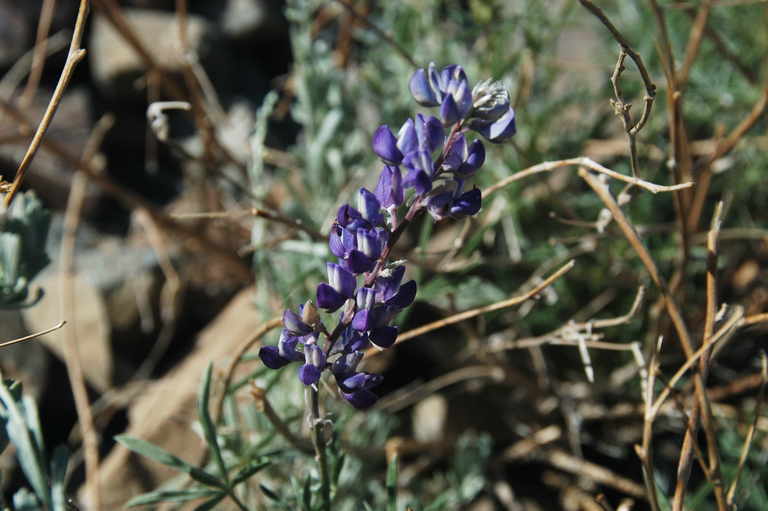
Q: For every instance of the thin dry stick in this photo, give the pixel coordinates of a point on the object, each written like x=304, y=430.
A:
x=261, y=213
x=133, y=200
x=751, y=433
x=264, y=406
x=723, y=148
x=650, y=88
x=672, y=309
x=379, y=32
x=569, y=463
x=582, y=161
x=19, y=70
x=72, y=358
x=249, y=343
x=76, y=54
x=645, y=451
x=755, y=319
x=33, y=336
x=38, y=57
x=702, y=411
x=694, y=42
x=456, y=318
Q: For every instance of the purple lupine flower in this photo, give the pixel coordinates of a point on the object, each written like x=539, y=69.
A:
x=437, y=167
x=389, y=190
x=448, y=89
x=385, y=145
x=340, y=287
x=314, y=363
x=500, y=130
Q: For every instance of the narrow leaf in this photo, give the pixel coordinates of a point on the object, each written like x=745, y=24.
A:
x=247, y=471
x=162, y=456
x=58, y=478
x=154, y=497
x=205, y=506
x=392, y=484
x=207, y=424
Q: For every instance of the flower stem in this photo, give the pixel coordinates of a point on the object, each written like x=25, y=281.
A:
x=320, y=454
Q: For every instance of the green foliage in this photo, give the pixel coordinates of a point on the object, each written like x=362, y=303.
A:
x=23, y=232
x=21, y=426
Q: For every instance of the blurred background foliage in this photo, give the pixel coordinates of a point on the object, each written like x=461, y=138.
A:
x=456, y=404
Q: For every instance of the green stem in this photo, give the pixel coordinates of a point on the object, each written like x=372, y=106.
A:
x=236, y=500
x=320, y=455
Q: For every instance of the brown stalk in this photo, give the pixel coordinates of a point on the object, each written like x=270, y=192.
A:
x=694, y=42
x=456, y=318
x=75, y=55
x=582, y=161
x=672, y=309
x=68, y=303
x=723, y=148
x=5, y=344
x=229, y=372
x=38, y=56
x=379, y=32
x=751, y=432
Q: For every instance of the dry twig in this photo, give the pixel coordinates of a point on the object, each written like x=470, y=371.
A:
x=75, y=55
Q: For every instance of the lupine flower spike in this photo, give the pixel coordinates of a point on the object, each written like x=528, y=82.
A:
x=430, y=156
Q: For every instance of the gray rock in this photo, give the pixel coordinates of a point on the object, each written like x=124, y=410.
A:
x=250, y=20
x=116, y=65
x=14, y=32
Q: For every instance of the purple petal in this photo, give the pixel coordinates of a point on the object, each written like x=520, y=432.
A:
x=360, y=381
x=369, y=243
x=500, y=130
x=293, y=323
x=407, y=141
x=361, y=399
x=342, y=281
x=389, y=190
x=328, y=298
x=384, y=336
x=358, y=262
x=387, y=286
x=361, y=321
x=369, y=206
x=365, y=297
x=335, y=243
x=456, y=154
x=385, y=145
x=429, y=132
x=468, y=203
x=419, y=180
x=309, y=374
x=404, y=296
x=475, y=158
x=346, y=215
x=421, y=89
x=449, y=111
x=438, y=205
x=271, y=357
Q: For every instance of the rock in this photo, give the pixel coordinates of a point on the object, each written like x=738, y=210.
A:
x=48, y=174
x=14, y=32
x=115, y=64
x=429, y=418
x=89, y=321
x=247, y=20
x=164, y=411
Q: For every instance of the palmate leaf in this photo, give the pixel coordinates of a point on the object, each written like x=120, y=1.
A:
x=157, y=496
x=162, y=456
x=209, y=429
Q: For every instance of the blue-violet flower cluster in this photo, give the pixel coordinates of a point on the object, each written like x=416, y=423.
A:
x=430, y=156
